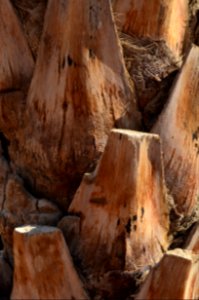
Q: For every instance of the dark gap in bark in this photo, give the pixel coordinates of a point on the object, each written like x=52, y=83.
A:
x=5, y=145
x=1, y=244
x=8, y=91
x=29, y=187
x=70, y=61
x=155, y=106
x=180, y=228
x=196, y=29
x=128, y=226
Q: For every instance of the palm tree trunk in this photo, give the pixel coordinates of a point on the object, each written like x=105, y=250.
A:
x=82, y=85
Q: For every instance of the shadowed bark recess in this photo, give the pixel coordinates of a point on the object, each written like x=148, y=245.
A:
x=19, y=207
x=31, y=14
x=194, y=21
x=79, y=91
x=152, y=68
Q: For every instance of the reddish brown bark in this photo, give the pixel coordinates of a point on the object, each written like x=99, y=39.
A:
x=175, y=277
x=179, y=131
x=79, y=91
x=158, y=19
x=43, y=266
x=56, y=115
x=192, y=242
x=122, y=206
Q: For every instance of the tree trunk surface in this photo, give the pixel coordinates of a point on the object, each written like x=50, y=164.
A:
x=134, y=17
x=179, y=130
x=99, y=144
x=43, y=266
x=181, y=269
x=127, y=205
x=77, y=94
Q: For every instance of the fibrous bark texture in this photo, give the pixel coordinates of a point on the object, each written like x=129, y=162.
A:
x=152, y=49
x=152, y=68
x=125, y=199
x=79, y=91
x=179, y=131
x=155, y=18
x=78, y=80
x=194, y=21
x=31, y=14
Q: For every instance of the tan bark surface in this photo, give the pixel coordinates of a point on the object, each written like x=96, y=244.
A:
x=192, y=242
x=79, y=91
x=16, y=62
x=122, y=205
x=175, y=277
x=43, y=266
x=153, y=48
x=179, y=131
x=64, y=86
x=159, y=19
